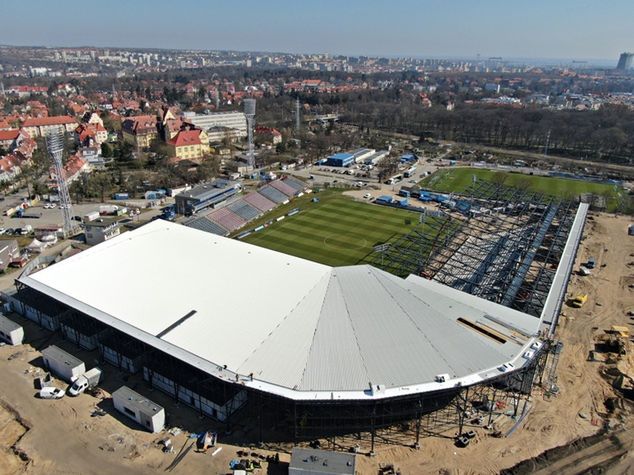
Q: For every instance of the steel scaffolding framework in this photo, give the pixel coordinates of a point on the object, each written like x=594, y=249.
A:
x=504, y=249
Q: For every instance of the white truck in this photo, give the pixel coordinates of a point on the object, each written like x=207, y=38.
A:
x=108, y=209
x=89, y=379
x=88, y=217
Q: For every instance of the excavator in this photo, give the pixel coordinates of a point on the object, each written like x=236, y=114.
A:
x=578, y=300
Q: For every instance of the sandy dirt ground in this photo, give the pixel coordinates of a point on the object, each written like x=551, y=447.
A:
x=42, y=436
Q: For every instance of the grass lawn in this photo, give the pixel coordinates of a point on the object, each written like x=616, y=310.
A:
x=336, y=231
x=459, y=179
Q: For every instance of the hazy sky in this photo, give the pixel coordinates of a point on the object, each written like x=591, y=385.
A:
x=598, y=29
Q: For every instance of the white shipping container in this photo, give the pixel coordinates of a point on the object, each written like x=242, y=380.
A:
x=91, y=216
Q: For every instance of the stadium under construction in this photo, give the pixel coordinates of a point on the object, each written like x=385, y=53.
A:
x=452, y=326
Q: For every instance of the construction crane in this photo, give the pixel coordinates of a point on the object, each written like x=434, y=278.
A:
x=55, y=146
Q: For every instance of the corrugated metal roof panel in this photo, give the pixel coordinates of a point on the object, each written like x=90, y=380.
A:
x=334, y=362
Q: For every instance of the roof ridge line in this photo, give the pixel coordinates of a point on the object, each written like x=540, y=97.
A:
x=312, y=343
x=354, y=332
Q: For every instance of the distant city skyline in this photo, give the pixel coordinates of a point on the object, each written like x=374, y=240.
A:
x=562, y=30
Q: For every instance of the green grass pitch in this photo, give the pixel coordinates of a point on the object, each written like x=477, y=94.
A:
x=459, y=179
x=337, y=231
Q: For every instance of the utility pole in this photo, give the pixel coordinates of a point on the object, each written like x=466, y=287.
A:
x=547, y=143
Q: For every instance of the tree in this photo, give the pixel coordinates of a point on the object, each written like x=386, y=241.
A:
x=28, y=175
x=101, y=183
x=280, y=147
x=109, y=123
x=125, y=153
x=208, y=168
x=106, y=150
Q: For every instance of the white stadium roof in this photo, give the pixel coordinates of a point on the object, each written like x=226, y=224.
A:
x=301, y=329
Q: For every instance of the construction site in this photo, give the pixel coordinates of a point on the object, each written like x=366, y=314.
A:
x=535, y=291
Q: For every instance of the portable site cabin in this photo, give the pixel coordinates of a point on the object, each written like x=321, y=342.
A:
x=139, y=408
x=10, y=332
x=62, y=364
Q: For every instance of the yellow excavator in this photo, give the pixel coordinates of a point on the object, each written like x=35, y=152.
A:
x=579, y=300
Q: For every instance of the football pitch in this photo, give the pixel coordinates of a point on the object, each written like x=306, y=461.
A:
x=459, y=179
x=336, y=231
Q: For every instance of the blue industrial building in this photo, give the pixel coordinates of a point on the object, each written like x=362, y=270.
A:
x=340, y=160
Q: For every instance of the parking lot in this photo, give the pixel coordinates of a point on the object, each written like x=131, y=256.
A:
x=40, y=216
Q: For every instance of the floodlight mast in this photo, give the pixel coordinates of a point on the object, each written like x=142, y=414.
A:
x=249, y=112
x=55, y=146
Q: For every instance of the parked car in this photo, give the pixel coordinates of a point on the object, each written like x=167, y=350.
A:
x=2, y=231
x=367, y=196
x=51, y=393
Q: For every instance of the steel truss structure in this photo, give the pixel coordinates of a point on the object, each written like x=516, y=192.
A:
x=402, y=421
x=505, y=248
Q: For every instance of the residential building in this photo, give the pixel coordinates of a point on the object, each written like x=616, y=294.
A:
x=92, y=118
x=42, y=126
x=10, y=167
x=139, y=130
x=9, y=139
x=73, y=168
x=90, y=135
x=101, y=230
x=169, y=124
x=189, y=144
x=269, y=134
